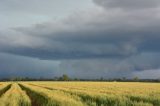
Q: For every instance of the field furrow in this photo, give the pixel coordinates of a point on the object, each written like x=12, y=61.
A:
x=89, y=101
x=52, y=98
x=15, y=97
x=94, y=100
x=36, y=98
x=4, y=88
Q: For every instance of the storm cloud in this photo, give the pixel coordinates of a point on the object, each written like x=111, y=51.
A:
x=111, y=37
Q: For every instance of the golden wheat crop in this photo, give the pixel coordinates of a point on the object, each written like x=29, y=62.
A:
x=79, y=94
x=109, y=93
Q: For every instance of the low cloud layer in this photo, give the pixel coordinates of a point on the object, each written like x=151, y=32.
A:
x=113, y=37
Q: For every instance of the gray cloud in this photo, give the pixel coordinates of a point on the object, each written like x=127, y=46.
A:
x=38, y=6
x=126, y=4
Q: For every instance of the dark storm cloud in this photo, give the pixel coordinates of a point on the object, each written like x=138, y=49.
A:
x=19, y=66
x=138, y=65
x=105, y=34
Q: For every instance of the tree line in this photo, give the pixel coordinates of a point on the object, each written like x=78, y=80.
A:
x=65, y=77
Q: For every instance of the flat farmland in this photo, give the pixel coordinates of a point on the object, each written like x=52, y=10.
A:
x=79, y=94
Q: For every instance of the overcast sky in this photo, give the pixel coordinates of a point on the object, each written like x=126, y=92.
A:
x=81, y=38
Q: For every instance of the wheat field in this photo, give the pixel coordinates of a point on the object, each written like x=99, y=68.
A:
x=79, y=94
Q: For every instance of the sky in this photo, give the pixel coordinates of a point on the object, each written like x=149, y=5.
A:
x=80, y=38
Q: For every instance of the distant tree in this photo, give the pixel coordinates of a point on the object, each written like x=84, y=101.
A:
x=55, y=78
x=136, y=78
x=124, y=79
x=16, y=79
x=101, y=79
x=76, y=79
x=64, y=77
